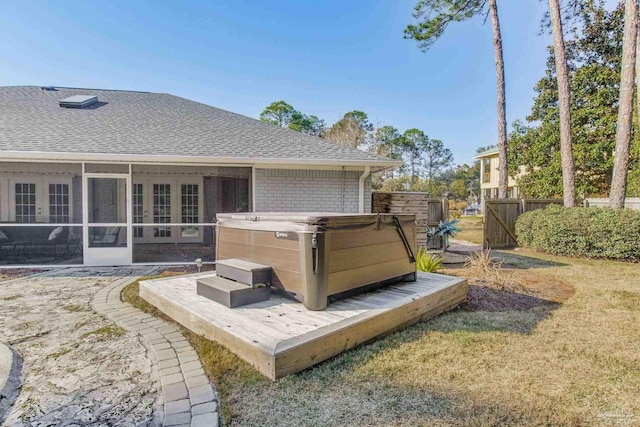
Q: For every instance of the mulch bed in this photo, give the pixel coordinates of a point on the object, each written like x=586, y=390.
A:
x=525, y=291
x=482, y=298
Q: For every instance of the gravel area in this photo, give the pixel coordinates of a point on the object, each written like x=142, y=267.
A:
x=79, y=368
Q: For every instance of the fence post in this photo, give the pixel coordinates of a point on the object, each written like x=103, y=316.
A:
x=445, y=210
x=523, y=206
x=485, y=240
x=585, y=203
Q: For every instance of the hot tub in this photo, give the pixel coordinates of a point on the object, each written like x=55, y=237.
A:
x=319, y=257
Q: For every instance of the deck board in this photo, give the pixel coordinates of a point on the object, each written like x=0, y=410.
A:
x=281, y=336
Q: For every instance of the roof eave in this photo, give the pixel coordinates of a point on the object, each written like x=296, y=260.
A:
x=378, y=165
x=481, y=155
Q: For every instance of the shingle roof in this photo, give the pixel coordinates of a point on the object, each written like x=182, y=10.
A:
x=142, y=123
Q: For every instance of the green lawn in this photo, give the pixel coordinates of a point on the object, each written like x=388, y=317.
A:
x=559, y=344
x=471, y=229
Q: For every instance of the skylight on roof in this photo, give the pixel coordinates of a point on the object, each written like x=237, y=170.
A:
x=79, y=101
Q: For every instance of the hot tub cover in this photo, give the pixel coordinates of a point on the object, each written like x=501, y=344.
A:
x=306, y=221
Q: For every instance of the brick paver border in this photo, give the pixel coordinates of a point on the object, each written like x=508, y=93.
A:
x=189, y=397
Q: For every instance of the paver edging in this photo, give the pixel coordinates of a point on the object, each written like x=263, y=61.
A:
x=172, y=383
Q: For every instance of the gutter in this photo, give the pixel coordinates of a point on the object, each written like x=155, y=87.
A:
x=31, y=156
x=363, y=178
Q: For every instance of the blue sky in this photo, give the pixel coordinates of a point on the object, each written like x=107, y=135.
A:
x=324, y=58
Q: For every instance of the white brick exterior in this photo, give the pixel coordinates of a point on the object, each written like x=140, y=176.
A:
x=300, y=190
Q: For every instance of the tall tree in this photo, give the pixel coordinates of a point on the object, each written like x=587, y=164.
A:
x=436, y=158
x=633, y=179
x=278, y=113
x=503, y=166
x=351, y=130
x=425, y=157
x=284, y=115
x=387, y=142
x=435, y=16
x=413, y=141
x=594, y=53
x=311, y=125
x=637, y=71
x=625, y=109
x=562, y=76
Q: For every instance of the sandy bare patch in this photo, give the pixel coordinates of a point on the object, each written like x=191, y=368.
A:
x=79, y=368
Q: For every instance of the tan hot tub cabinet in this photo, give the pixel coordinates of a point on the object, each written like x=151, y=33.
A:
x=316, y=257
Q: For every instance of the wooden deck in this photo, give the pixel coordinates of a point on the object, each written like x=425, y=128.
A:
x=279, y=337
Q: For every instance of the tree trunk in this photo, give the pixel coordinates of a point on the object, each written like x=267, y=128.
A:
x=502, y=119
x=637, y=70
x=625, y=109
x=564, y=98
x=413, y=172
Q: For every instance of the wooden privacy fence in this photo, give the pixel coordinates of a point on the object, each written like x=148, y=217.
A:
x=500, y=220
x=428, y=211
x=629, y=203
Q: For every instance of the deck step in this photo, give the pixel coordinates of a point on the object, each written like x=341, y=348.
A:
x=229, y=293
x=243, y=271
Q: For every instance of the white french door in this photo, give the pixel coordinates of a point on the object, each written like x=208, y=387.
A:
x=107, y=226
x=166, y=208
x=38, y=199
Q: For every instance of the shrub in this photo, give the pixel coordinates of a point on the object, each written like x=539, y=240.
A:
x=582, y=232
x=429, y=263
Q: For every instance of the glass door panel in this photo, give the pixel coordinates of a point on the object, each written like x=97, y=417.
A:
x=138, y=210
x=25, y=202
x=162, y=209
x=107, y=242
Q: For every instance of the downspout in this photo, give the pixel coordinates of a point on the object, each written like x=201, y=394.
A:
x=363, y=178
x=344, y=188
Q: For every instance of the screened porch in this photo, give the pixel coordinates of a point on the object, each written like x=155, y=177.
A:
x=114, y=214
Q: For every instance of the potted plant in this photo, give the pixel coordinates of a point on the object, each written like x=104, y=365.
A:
x=445, y=229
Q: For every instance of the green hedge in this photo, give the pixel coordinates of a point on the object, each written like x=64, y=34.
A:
x=582, y=232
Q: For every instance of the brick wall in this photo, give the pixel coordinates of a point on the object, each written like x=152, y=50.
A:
x=298, y=190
